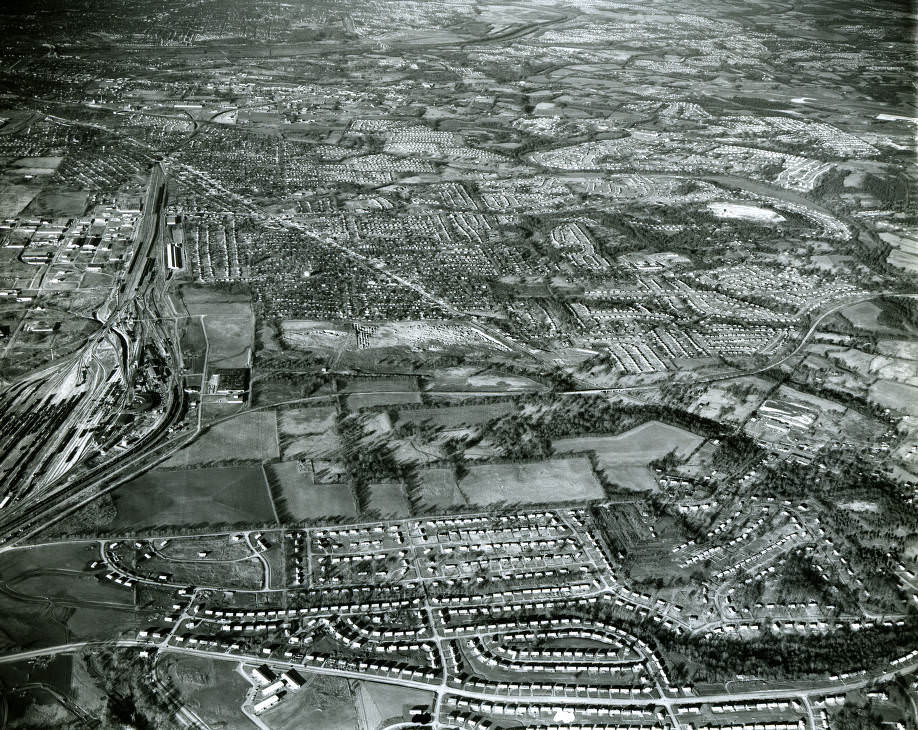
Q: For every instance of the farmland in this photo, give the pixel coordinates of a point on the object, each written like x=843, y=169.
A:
x=306, y=500
x=439, y=489
x=387, y=499
x=640, y=445
x=539, y=482
x=250, y=436
x=232, y=495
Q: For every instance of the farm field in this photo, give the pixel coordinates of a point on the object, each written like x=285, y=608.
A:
x=301, y=421
x=229, y=323
x=438, y=488
x=250, y=436
x=416, y=451
x=370, y=392
x=308, y=432
x=388, y=499
x=531, y=483
x=891, y=394
x=303, y=499
x=384, y=398
x=231, y=495
x=456, y=416
x=637, y=447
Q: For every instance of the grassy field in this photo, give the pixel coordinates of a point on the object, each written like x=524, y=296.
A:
x=54, y=203
x=309, y=432
x=250, y=436
x=209, y=572
x=555, y=480
x=233, y=495
x=380, y=705
x=305, y=500
x=457, y=416
x=213, y=689
x=228, y=321
x=68, y=556
x=324, y=703
x=301, y=421
x=389, y=500
x=439, y=489
x=624, y=458
x=895, y=396
x=230, y=328
x=385, y=398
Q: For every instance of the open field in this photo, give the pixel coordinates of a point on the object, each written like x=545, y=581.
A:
x=369, y=392
x=306, y=500
x=434, y=335
x=230, y=327
x=213, y=689
x=78, y=588
x=301, y=421
x=380, y=705
x=58, y=203
x=14, y=197
x=323, y=703
x=895, y=396
x=531, y=483
x=232, y=495
x=457, y=416
x=719, y=402
x=388, y=499
x=634, y=448
x=744, y=212
x=229, y=322
x=439, y=488
x=66, y=556
x=247, y=437
x=385, y=398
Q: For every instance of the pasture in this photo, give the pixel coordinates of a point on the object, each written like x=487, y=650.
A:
x=439, y=489
x=306, y=500
x=388, y=499
x=624, y=458
x=555, y=480
x=232, y=495
x=250, y=436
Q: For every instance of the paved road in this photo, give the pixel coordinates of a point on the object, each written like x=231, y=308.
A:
x=813, y=692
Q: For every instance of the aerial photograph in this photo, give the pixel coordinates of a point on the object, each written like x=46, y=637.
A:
x=458, y=365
